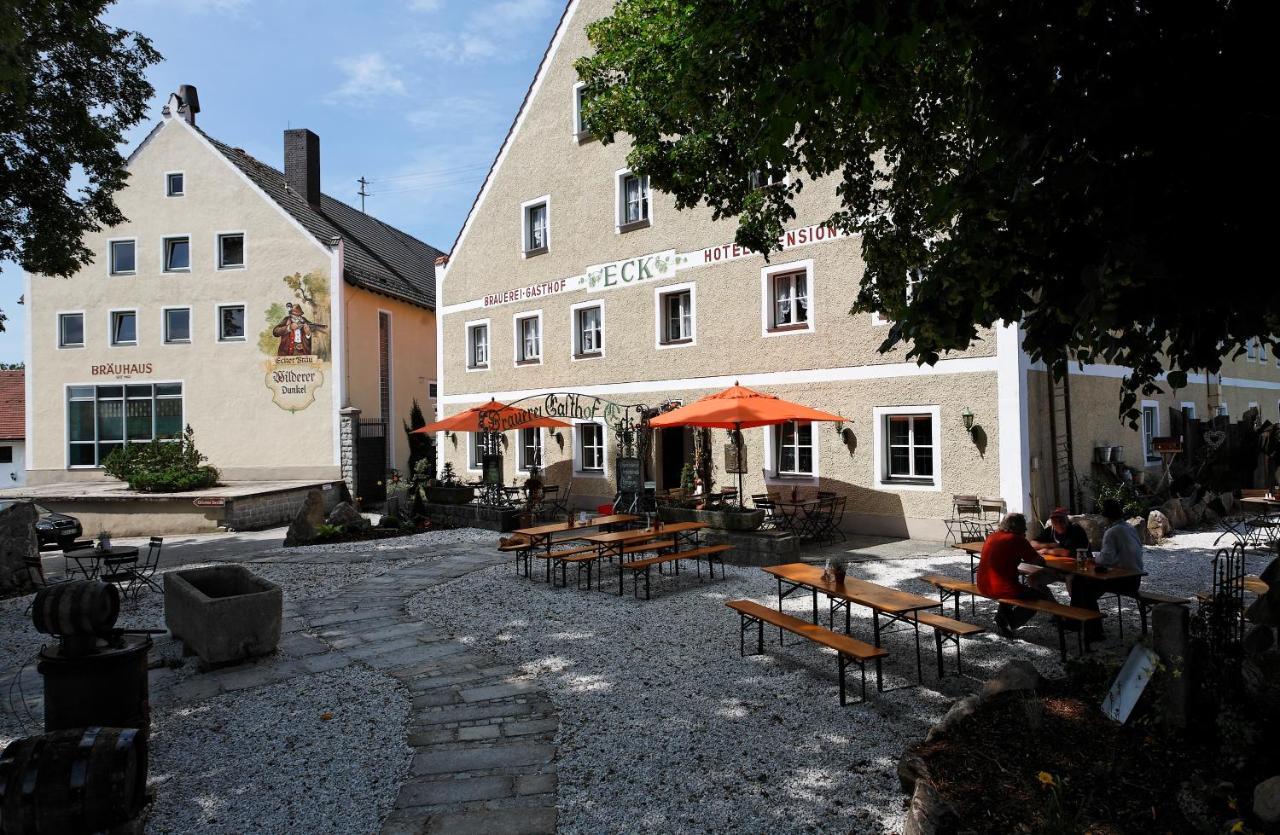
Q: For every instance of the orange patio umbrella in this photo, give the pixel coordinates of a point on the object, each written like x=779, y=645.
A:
x=496, y=416
x=738, y=408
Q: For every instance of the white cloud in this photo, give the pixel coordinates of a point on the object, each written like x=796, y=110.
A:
x=492, y=31
x=367, y=76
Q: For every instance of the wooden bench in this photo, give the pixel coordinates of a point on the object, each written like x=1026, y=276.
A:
x=847, y=649
x=560, y=556
x=949, y=587
x=947, y=630
x=712, y=553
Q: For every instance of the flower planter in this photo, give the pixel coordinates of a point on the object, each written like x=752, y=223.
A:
x=450, y=495
x=223, y=613
x=728, y=520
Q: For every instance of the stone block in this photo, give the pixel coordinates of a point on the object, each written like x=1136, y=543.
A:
x=1170, y=638
x=224, y=613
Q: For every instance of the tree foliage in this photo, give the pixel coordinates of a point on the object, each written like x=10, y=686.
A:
x=1090, y=168
x=70, y=86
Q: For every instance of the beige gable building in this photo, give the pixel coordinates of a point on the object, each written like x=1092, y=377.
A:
x=572, y=276
x=237, y=299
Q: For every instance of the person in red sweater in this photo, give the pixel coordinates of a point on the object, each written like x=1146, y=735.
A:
x=998, y=576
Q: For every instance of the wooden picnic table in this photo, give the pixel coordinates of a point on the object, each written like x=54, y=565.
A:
x=1262, y=501
x=540, y=535
x=895, y=605
x=1067, y=565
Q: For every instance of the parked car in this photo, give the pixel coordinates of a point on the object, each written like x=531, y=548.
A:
x=53, y=530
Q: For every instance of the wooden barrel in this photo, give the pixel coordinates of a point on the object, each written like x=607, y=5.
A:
x=81, y=607
x=82, y=780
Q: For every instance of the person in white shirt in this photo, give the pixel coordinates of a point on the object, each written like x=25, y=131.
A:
x=1121, y=548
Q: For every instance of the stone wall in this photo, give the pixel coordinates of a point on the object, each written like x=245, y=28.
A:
x=17, y=544
x=265, y=510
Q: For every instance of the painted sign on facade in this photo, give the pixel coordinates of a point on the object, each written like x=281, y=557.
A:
x=296, y=342
x=631, y=271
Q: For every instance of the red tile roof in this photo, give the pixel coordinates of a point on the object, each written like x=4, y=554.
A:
x=12, y=405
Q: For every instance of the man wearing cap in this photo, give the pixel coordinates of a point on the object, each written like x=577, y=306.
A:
x=1061, y=537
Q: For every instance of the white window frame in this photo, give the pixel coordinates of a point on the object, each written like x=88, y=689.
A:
x=578, y=467
x=880, y=456
x=877, y=320
x=579, y=133
x=518, y=341
x=111, y=245
x=1149, y=456
x=66, y=416
x=620, y=221
x=170, y=193
x=111, y=328
x=217, y=323
x=1223, y=409
x=164, y=326
x=164, y=253
x=767, y=276
x=1186, y=405
x=575, y=352
x=772, y=439
x=217, y=250
x=522, y=461
x=488, y=344
x=475, y=459
x=84, y=332
x=525, y=251
x=659, y=315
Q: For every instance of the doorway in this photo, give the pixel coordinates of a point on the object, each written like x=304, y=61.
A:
x=675, y=452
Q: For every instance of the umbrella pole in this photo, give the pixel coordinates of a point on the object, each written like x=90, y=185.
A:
x=738, y=441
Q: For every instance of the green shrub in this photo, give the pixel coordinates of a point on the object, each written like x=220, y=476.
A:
x=162, y=466
x=326, y=532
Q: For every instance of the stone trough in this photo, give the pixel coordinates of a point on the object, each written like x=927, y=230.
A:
x=223, y=613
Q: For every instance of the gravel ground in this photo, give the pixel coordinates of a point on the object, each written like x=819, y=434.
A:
x=665, y=728
x=267, y=760
x=399, y=543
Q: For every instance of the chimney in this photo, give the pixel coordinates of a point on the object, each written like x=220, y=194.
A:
x=302, y=163
x=189, y=103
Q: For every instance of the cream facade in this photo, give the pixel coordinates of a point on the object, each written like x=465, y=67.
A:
x=231, y=301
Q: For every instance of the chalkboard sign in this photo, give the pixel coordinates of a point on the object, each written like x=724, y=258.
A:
x=492, y=465
x=629, y=478
x=735, y=458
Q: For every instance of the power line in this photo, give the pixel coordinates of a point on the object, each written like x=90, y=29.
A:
x=434, y=172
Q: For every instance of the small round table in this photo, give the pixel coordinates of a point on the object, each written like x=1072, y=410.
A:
x=112, y=557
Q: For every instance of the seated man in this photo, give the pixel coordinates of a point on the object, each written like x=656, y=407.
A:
x=998, y=576
x=1121, y=548
x=1060, y=538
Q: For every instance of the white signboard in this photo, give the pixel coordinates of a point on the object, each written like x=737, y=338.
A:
x=631, y=271
x=1130, y=683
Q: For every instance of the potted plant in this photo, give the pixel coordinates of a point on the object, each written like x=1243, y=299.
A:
x=729, y=517
x=449, y=489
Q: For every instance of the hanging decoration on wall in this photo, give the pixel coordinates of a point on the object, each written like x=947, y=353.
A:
x=296, y=342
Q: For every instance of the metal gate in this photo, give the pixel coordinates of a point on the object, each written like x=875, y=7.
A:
x=371, y=462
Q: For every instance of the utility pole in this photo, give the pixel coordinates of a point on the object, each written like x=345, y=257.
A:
x=362, y=192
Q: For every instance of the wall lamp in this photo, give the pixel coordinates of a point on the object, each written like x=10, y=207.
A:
x=967, y=417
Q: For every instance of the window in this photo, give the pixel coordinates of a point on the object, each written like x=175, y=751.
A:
x=123, y=257
x=478, y=345
x=475, y=451
x=231, y=323
x=537, y=230
x=675, y=316
x=124, y=327
x=580, y=132
x=231, y=251
x=173, y=184
x=795, y=448
x=1251, y=350
x=6, y=455
x=101, y=419
x=909, y=447
x=177, y=325
x=433, y=390
x=1223, y=411
x=763, y=179
x=786, y=299
x=177, y=255
x=1150, y=429
x=1188, y=410
x=528, y=339
x=588, y=331
x=914, y=277
x=590, y=448
x=633, y=201
x=70, y=330
x=530, y=448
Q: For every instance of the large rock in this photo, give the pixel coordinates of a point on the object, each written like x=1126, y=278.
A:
x=18, y=544
x=1094, y=525
x=1175, y=513
x=1159, y=526
x=960, y=711
x=345, y=516
x=303, y=528
x=1266, y=800
x=928, y=813
x=1015, y=675
x=1139, y=526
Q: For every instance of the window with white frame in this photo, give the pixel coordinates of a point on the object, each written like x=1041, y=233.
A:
x=70, y=330
x=588, y=331
x=580, y=131
x=177, y=254
x=478, y=345
x=763, y=179
x=1251, y=350
x=530, y=448
x=101, y=419
x=231, y=251
x=475, y=450
x=633, y=201
x=1188, y=409
x=788, y=300
x=537, y=237
x=174, y=184
x=1150, y=429
x=675, y=320
x=909, y=454
x=914, y=277
x=124, y=327
x=590, y=447
x=177, y=325
x=794, y=448
x=231, y=323
x=123, y=257
x=1223, y=411
x=528, y=339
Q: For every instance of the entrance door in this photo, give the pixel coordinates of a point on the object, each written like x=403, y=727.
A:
x=673, y=456
x=371, y=462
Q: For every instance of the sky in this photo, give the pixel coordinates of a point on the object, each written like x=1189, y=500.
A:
x=414, y=95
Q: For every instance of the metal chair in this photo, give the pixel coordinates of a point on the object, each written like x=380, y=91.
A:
x=765, y=502
x=963, y=507
x=144, y=571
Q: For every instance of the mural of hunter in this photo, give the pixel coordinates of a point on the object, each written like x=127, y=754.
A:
x=296, y=342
